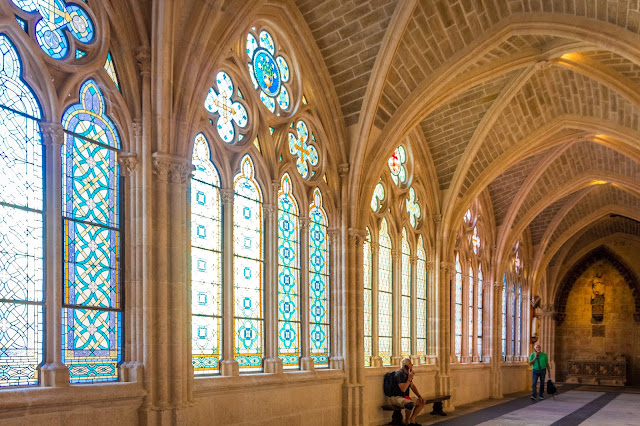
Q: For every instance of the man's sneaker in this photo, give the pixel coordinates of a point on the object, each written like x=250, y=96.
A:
x=533, y=398
x=541, y=397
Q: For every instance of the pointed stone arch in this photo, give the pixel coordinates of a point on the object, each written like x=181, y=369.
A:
x=600, y=253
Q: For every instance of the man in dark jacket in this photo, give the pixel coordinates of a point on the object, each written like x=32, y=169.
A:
x=403, y=381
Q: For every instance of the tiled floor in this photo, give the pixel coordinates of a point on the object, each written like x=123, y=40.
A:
x=573, y=405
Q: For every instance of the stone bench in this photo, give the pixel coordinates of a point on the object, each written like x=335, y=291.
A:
x=396, y=418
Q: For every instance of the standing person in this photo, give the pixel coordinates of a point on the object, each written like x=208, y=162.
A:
x=403, y=381
x=540, y=362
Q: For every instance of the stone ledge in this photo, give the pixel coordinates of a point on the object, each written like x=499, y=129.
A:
x=203, y=385
x=419, y=370
x=514, y=364
x=470, y=366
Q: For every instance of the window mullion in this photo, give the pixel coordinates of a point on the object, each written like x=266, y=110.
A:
x=306, y=362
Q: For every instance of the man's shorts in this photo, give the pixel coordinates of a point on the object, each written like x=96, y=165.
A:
x=402, y=401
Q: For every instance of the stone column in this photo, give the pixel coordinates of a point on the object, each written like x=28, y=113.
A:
x=466, y=288
x=131, y=368
x=496, y=346
x=338, y=309
x=171, y=333
x=547, y=336
x=509, y=345
x=415, y=359
x=445, y=353
x=53, y=372
x=272, y=362
x=352, y=411
x=229, y=366
x=433, y=324
x=306, y=362
x=396, y=286
x=376, y=360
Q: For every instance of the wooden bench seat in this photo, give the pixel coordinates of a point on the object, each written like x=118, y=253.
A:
x=396, y=418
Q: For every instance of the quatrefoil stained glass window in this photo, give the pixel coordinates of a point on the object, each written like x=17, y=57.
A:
x=269, y=71
x=378, y=196
x=397, y=165
x=301, y=146
x=56, y=20
x=413, y=208
x=232, y=117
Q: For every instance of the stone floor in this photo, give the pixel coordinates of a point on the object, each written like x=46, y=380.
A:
x=573, y=405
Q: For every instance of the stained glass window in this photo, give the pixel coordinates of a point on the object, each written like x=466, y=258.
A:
x=397, y=165
x=475, y=240
x=421, y=302
x=232, y=118
x=248, y=268
x=288, y=276
x=301, y=146
x=270, y=73
x=519, y=321
x=516, y=262
x=458, y=310
x=470, y=312
x=514, y=301
x=59, y=19
x=480, y=311
x=21, y=225
x=378, y=196
x=406, y=297
x=368, y=311
x=92, y=303
x=504, y=316
x=385, y=295
x=467, y=216
x=206, y=261
x=319, y=282
x=413, y=208
x=110, y=68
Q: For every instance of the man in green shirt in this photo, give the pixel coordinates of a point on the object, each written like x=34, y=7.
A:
x=540, y=363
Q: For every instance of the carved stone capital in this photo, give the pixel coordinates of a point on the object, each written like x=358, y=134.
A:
x=543, y=65
x=128, y=162
x=357, y=236
x=171, y=168
x=226, y=195
x=333, y=234
x=304, y=222
x=437, y=218
x=446, y=268
x=137, y=128
x=270, y=212
x=413, y=259
x=52, y=134
x=431, y=266
x=143, y=58
x=343, y=169
x=498, y=284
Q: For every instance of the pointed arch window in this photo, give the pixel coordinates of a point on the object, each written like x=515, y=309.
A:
x=21, y=225
x=248, y=314
x=368, y=303
x=421, y=301
x=206, y=261
x=288, y=276
x=405, y=300
x=504, y=316
x=385, y=295
x=92, y=303
x=319, y=281
x=458, y=311
x=480, y=312
x=470, y=332
x=378, y=196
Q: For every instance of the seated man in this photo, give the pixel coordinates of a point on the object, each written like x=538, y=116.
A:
x=400, y=393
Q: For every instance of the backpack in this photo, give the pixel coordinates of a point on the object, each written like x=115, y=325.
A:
x=388, y=382
x=551, y=388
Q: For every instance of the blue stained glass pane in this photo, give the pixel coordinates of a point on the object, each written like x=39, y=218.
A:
x=21, y=230
x=91, y=344
x=248, y=264
x=90, y=197
x=110, y=68
x=22, y=23
x=80, y=54
x=57, y=19
x=206, y=262
x=319, y=282
x=288, y=273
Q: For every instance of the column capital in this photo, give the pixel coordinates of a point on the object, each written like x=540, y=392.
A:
x=143, y=59
x=431, y=266
x=343, y=169
x=128, y=162
x=52, y=134
x=304, y=222
x=226, y=195
x=413, y=259
x=171, y=168
x=446, y=267
x=437, y=218
x=271, y=212
x=498, y=284
x=333, y=234
x=137, y=128
x=357, y=235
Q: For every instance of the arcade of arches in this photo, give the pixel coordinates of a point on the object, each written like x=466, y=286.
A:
x=246, y=212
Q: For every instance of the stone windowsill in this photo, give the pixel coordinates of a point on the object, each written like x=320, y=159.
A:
x=214, y=384
x=470, y=366
x=418, y=369
x=514, y=364
x=30, y=397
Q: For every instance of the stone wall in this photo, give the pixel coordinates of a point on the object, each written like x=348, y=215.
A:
x=580, y=335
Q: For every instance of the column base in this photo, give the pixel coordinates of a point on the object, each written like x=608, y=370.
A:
x=229, y=368
x=376, y=361
x=54, y=375
x=415, y=360
x=273, y=365
x=395, y=361
x=336, y=363
x=131, y=372
x=306, y=364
